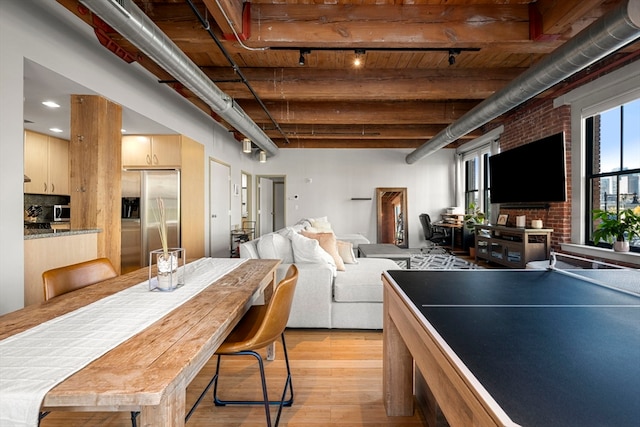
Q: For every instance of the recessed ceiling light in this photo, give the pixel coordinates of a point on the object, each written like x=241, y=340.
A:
x=56, y=130
x=123, y=130
x=50, y=104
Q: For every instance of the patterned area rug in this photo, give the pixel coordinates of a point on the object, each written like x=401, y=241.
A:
x=438, y=262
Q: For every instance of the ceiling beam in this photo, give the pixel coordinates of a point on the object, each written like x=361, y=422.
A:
x=323, y=85
x=369, y=131
x=349, y=113
x=313, y=25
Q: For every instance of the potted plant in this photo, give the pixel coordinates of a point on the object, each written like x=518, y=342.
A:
x=473, y=216
x=618, y=229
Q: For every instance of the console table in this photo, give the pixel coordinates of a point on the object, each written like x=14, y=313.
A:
x=512, y=247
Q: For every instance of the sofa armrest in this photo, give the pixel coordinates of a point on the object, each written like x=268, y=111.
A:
x=311, y=306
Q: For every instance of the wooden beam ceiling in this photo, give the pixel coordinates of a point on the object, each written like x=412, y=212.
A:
x=401, y=96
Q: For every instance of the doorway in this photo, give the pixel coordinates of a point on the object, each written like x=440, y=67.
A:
x=219, y=209
x=271, y=203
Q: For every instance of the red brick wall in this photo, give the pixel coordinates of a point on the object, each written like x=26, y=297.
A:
x=531, y=122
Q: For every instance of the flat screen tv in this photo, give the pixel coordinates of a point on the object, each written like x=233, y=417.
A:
x=532, y=173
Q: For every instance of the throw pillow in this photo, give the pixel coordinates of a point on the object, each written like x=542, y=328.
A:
x=345, y=250
x=275, y=246
x=328, y=243
x=320, y=225
x=307, y=250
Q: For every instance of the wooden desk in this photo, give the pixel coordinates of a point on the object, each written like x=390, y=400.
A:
x=150, y=372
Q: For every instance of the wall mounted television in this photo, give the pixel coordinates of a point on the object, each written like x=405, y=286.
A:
x=531, y=173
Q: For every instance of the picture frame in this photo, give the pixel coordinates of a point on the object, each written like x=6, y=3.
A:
x=502, y=219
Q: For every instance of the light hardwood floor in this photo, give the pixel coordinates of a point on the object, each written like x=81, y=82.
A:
x=337, y=381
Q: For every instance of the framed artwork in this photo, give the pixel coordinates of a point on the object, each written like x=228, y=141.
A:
x=502, y=219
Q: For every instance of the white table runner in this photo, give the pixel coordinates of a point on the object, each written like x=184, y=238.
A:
x=36, y=360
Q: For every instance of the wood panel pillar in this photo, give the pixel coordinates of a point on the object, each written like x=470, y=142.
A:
x=95, y=166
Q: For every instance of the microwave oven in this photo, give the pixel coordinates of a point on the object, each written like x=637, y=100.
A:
x=61, y=213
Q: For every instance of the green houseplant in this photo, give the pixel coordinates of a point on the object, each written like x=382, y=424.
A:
x=618, y=229
x=473, y=216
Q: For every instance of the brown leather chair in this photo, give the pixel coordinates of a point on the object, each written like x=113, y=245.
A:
x=69, y=278
x=61, y=280
x=260, y=327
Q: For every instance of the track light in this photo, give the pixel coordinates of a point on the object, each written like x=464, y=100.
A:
x=358, y=59
x=263, y=156
x=246, y=145
x=303, y=52
x=452, y=55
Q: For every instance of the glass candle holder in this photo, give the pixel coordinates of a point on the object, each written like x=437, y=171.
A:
x=169, y=276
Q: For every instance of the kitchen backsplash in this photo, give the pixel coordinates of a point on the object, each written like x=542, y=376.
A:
x=46, y=202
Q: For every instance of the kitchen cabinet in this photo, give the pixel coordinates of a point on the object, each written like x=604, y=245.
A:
x=46, y=162
x=151, y=151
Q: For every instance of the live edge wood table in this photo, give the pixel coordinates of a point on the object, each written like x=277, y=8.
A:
x=151, y=371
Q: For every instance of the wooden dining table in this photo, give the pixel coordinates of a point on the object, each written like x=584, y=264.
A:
x=151, y=371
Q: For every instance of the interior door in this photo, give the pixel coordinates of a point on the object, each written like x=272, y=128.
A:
x=265, y=205
x=219, y=209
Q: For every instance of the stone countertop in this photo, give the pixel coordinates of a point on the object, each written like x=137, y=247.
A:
x=43, y=233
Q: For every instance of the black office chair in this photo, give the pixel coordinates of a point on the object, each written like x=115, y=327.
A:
x=432, y=235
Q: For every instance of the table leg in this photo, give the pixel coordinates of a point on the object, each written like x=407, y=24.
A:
x=397, y=368
x=169, y=413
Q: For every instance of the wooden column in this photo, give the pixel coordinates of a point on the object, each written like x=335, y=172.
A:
x=95, y=156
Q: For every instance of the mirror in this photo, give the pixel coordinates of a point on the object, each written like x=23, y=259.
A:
x=392, y=218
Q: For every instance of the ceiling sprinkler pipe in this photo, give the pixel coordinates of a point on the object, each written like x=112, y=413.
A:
x=128, y=20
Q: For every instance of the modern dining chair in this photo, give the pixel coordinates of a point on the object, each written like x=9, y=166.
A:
x=62, y=280
x=258, y=328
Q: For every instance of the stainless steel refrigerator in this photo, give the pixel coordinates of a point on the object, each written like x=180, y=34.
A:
x=140, y=191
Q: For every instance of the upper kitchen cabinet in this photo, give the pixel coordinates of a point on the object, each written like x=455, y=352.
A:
x=46, y=162
x=151, y=151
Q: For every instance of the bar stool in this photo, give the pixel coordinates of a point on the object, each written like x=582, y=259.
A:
x=260, y=327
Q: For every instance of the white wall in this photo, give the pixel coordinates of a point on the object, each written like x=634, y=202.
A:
x=339, y=175
x=47, y=34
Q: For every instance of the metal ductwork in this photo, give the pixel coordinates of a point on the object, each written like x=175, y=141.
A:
x=608, y=34
x=127, y=19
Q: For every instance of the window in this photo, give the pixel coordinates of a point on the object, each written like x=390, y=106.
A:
x=612, y=140
x=476, y=180
x=473, y=166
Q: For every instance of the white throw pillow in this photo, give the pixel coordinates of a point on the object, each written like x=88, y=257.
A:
x=345, y=250
x=307, y=250
x=320, y=225
x=275, y=246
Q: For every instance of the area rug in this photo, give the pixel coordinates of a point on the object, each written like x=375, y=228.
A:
x=438, y=262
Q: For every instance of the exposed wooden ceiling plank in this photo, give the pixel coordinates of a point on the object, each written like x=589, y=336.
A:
x=387, y=84
x=370, y=131
x=410, y=112
x=310, y=25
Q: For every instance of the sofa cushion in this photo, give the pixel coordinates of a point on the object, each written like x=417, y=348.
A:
x=345, y=250
x=275, y=246
x=362, y=282
x=249, y=249
x=329, y=244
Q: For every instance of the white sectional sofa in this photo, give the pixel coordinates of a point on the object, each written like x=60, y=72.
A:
x=327, y=295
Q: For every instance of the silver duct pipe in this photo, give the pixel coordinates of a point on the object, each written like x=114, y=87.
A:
x=608, y=34
x=127, y=19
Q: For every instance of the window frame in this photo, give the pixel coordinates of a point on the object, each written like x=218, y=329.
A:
x=615, y=88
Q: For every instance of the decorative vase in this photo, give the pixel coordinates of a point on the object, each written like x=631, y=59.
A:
x=621, y=246
x=169, y=276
